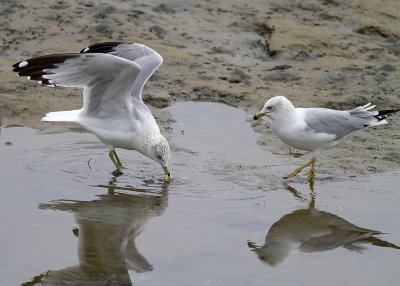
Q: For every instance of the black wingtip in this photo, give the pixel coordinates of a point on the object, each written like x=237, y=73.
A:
x=20, y=65
x=104, y=48
x=34, y=68
x=383, y=114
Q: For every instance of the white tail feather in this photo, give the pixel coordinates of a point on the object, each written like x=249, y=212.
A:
x=367, y=106
x=378, y=123
x=62, y=116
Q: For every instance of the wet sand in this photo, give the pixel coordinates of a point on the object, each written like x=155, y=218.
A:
x=317, y=53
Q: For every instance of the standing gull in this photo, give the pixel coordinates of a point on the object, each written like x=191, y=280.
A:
x=316, y=129
x=112, y=75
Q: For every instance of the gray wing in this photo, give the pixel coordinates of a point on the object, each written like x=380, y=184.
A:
x=148, y=59
x=333, y=240
x=338, y=122
x=107, y=80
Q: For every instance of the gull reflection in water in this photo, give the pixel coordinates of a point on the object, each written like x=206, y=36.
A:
x=311, y=230
x=107, y=229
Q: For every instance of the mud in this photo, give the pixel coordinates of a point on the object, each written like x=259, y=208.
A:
x=336, y=54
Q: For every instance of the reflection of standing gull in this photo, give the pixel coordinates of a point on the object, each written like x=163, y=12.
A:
x=108, y=228
x=311, y=230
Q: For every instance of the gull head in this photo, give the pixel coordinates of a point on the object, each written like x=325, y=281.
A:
x=278, y=106
x=273, y=254
x=160, y=152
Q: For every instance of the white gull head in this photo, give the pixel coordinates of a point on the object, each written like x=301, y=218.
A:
x=278, y=108
x=157, y=148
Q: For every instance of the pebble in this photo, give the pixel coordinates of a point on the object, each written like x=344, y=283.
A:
x=159, y=31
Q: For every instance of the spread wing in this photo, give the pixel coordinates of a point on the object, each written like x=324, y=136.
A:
x=148, y=60
x=108, y=81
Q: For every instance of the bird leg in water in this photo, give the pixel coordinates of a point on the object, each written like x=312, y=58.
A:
x=116, y=161
x=310, y=174
x=116, y=157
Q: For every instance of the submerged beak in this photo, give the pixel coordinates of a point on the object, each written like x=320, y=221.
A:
x=167, y=176
x=259, y=115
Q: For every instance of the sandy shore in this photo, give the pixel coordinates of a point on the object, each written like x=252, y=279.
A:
x=328, y=53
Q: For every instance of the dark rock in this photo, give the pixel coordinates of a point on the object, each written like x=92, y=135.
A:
x=262, y=48
x=159, y=100
x=167, y=8
x=280, y=68
x=195, y=65
x=302, y=56
x=380, y=77
x=373, y=30
x=221, y=50
x=239, y=76
x=106, y=12
x=104, y=29
x=159, y=31
x=387, y=68
x=264, y=29
x=281, y=76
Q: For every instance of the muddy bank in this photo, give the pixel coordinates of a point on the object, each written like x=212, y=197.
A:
x=318, y=53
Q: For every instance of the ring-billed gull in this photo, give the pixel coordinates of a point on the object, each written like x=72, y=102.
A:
x=112, y=75
x=316, y=129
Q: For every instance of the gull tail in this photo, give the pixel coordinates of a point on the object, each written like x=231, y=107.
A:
x=62, y=116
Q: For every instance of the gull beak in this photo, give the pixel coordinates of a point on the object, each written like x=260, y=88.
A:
x=167, y=177
x=259, y=115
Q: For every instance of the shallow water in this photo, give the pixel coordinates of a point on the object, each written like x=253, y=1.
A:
x=67, y=220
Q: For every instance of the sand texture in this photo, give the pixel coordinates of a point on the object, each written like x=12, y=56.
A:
x=326, y=53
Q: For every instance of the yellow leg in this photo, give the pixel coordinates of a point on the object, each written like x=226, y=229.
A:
x=311, y=174
x=116, y=157
x=111, y=154
x=298, y=170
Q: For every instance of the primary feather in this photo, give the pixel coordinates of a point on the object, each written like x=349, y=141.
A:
x=112, y=76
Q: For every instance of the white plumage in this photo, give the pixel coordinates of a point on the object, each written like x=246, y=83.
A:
x=112, y=76
x=316, y=129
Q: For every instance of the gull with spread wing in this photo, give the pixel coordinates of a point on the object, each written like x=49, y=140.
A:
x=316, y=129
x=112, y=75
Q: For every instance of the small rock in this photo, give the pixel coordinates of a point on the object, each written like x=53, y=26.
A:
x=280, y=68
x=281, y=76
x=239, y=76
x=387, y=67
x=302, y=56
x=220, y=50
x=166, y=8
x=264, y=29
x=159, y=31
x=195, y=65
x=109, y=10
x=336, y=78
x=392, y=39
x=104, y=29
x=159, y=100
x=380, y=77
x=262, y=49
x=372, y=30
